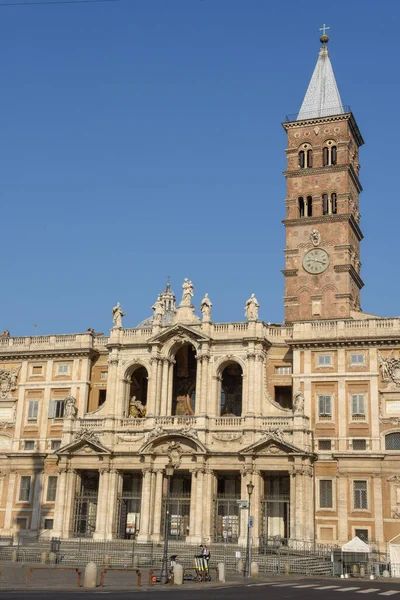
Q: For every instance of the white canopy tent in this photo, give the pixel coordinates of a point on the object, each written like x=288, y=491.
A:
x=356, y=545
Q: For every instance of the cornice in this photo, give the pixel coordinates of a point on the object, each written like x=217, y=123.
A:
x=323, y=171
x=353, y=273
x=23, y=354
x=326, y=219
x=289, y=272
x=329, y=119
x=344, y=342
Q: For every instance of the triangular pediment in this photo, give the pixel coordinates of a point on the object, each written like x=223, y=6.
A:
x=273, y=445
x=84, y=443
x=179, y=331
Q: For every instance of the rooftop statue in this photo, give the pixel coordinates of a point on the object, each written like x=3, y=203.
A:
x=188, y=292
x=205, y=308
x=117, y=314
x=251, y=309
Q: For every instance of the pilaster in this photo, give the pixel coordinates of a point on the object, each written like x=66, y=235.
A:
x=157, y=506
x=144, y=532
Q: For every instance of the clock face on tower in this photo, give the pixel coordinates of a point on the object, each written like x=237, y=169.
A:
x=316, y=261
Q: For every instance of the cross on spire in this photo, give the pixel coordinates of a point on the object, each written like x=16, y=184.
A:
x=324, y=28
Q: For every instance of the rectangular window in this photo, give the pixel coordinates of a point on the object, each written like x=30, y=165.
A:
x=33, y=409
x=325, y=493
x=357, y=360
x=63, y=369
x=25, y=488
x=51, y=488
x=358, y=405
x=362, y=534
x=324, y=445
x=29, y=445
x=325, y=406
x=102, y=396
x=359, y=444
x=360, y=494
x=48, y=523
x=56, y=409
x=324, y=360
x=55, y=444
x=287, y=370
x=21, y=523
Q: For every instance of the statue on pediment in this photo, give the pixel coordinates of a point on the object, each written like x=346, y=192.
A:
x=205, y=308
x=188, y=292
x=159, y=310
x=298, y=402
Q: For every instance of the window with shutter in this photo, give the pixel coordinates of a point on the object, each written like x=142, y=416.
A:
x=25, y=488
x=358, y=405
x=325, y=406
x=51, y=488
x=360, y=494
x=33, y=408
x=325, y=493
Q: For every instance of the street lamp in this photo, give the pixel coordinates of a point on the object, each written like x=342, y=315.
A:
x=250, y=488
x=169, y=471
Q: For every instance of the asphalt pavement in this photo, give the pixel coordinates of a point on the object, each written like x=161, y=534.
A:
x=318, y=589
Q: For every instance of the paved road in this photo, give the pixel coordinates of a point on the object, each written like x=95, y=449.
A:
x=301, y=589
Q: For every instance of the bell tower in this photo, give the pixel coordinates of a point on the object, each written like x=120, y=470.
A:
x=322, y=271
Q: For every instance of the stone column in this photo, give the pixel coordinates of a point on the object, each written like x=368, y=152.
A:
x=308, y=494
x=102, y=504
x=145, y=507
x=297, y=503
x=244, y=514
x=256, y=507
x=378, y=508
x=158, y=505
x=152, y=388
x=199, y=385
x=113, y=485
x=342, y=510
x=69, y=502
x=209, y=485
x=164, y=387
x=205, y=393
x=60, y=502
x=250, y=386
x=112, y=383
x=259, y=377
x=8, y=523
x=37, y=501
x=192, y=519
x=198, y=526
x=170, y=384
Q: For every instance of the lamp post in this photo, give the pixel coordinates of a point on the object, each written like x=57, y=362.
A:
x=250, y=488
x=169, y=471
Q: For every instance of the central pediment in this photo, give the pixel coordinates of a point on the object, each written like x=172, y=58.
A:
x=273, y=445
x=85, y=443
x=179, y=331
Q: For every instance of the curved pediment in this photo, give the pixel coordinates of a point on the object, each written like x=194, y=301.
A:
x=173, y=443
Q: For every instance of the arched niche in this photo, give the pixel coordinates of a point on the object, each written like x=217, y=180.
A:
x=184, y=381
x=137, y=391
x=231, y=396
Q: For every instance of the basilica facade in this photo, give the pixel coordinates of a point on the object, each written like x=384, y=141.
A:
x=95, y=428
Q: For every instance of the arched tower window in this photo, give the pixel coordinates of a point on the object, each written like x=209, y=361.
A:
x=184, y=381
x=329, y=204
x=325, y=204
x=305, y=156
x=232, y=390
x=392, y=441
x=329, y=153
x=309, y=206
x=334, y=203
x=301, y=206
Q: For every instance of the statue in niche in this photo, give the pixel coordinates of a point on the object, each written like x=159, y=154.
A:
x=298, y=402
x=188, y=291
x=137, y=410
x=251, y=309
x=158, y=308
x=70, y=410
x=117, y=314
x=205, y=308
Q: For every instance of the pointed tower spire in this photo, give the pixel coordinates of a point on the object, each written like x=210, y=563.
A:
x=322, y=97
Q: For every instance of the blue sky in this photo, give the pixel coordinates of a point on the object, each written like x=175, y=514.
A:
x=143, y=138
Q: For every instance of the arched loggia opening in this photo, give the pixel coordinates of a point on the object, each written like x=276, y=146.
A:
x=137, y=396
x=184, y=381
x=232, y=390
